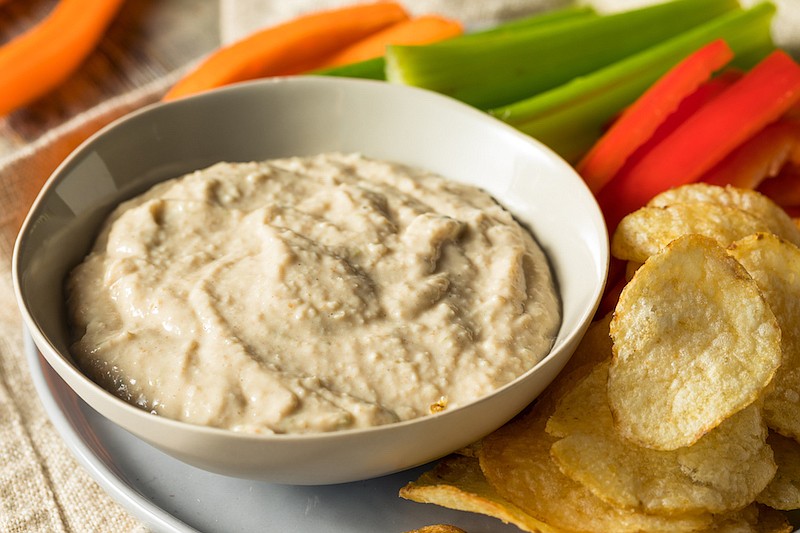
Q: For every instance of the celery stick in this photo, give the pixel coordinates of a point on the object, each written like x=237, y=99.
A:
x=496, y=71
x=374, y=69
x=531, y=21
x=570, y=118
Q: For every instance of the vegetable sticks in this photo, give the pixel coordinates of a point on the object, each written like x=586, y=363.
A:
x=425, y=29
x=759, y=158
x=375, y=68
x=42, y=58
x=499, y=70
x=294, y=46
x=760, y=97
x=571, y=117
x=640, y=120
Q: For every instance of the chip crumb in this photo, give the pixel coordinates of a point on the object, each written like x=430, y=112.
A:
x=439, y=405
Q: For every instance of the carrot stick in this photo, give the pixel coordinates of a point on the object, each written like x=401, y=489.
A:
x=642, y=118
x=37, y=61
x=283, y=49
x=424, y=29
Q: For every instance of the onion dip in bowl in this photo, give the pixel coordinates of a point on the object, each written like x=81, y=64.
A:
x=303, y=117
x=310, y=294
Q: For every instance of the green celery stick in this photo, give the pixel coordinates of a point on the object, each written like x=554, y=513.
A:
x=371, y=69
x=374, y=69
x=571, y=117
x=499, y=70
x=531, y=21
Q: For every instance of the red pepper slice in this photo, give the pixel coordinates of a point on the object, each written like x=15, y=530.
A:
x=760, y=97
x=761, y=157
x=703, y=95
x=784, y=189
x=642, y=118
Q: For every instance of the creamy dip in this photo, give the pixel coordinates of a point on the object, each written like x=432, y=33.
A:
x=310, y=294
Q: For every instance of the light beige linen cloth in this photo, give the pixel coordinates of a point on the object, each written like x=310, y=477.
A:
x=42, y=488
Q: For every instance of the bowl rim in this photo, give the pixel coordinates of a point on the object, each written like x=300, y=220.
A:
x=62, y=363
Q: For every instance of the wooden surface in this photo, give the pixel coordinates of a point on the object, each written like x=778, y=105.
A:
x=148, y=39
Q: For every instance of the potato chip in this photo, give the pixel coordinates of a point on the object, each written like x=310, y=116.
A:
x=516, y=461
x=470, y=450
x=770, y=521
x=748, y=200
x=457, y=482
x=438, y=528
x=595, y=347
x=775, y=266
x=648, y=230
x=722, y=472
x=693, y=326
x=783, y=492
x=752, y=519
x=630, y=269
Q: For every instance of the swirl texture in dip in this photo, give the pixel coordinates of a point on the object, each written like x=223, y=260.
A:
x=310, y=294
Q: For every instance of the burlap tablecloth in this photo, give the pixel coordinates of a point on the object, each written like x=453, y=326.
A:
x=42, y=488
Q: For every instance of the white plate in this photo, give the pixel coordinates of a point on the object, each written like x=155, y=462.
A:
x=170, y=496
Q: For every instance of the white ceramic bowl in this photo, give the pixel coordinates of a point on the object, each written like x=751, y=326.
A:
x=305, y=116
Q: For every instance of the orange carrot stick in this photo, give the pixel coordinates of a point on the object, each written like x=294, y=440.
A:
x=278, y=50
x=43, y=57
x=424, y=29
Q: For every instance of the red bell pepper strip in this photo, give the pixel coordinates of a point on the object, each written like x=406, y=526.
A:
x=784, y=189
x=703, y=95
x=761, y=157
x=760, y=97
x=642, y=118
